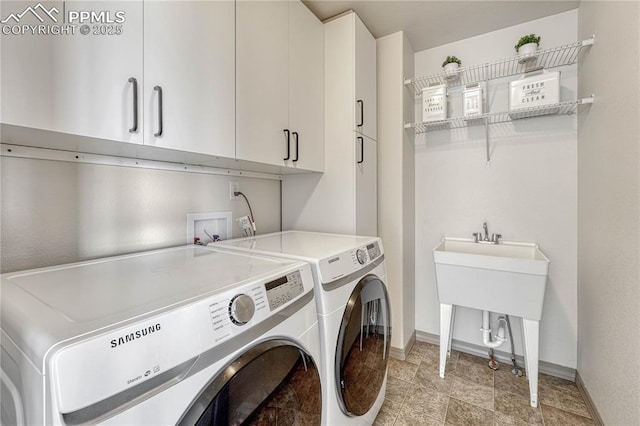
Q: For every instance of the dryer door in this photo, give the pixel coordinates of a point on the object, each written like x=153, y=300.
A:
x=273, y=382
x=364, y=341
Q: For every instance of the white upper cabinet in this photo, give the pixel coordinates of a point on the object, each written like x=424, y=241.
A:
x=189, y=75
x=365, y=51
x=306, y=88
x=366, y=186
x=279, y=74
x=262, y=75
x=75, y=83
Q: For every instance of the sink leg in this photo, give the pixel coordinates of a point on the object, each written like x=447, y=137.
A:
x=446, y=322
x=531, y=331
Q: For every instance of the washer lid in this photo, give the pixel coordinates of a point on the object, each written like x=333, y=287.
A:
x=46, y=306
x=310, y=246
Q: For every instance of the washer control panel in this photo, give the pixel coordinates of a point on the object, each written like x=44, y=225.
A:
x=242, y=307
x=284, y=289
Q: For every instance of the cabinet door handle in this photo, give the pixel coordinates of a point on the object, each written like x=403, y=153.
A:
x=361, y=103
x=133, y=81
x=159, y=90
x=295, y=135
x=361, y=139
x=286, y=132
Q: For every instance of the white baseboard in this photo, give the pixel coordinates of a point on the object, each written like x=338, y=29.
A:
x=503, y=357
x=595, y=415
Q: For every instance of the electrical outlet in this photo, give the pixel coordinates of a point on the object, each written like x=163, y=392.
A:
x=233, y=188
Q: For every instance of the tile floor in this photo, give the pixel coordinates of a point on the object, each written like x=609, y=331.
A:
x=473, y=394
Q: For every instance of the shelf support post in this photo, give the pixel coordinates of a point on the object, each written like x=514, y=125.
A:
x=486, y=111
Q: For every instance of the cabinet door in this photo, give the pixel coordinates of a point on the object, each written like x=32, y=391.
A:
x=306, y=87
x=74, y=83
x=365, y=107
x=262, y=80
x=366, y=186
x=189, y=68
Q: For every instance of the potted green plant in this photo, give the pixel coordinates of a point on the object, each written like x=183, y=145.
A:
x=528, y=44
x=451, y=64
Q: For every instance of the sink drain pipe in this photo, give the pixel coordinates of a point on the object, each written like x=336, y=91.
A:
x=486, y=331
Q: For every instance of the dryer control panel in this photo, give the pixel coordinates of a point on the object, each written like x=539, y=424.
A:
x=336, y=267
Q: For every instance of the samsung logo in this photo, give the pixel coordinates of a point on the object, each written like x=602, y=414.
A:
x=134, y=335
x=335, y=259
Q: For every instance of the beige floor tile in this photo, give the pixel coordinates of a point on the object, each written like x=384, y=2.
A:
x=502, y=419
x=565, y=386
x=424, y=402
x=396, y=389
x=388, y=413
x=416, y=395
x=429, y=378
x=517, y=407
x=417, y=353
x=506, y=381
x=473, y=372
x=473, y=359
x=409, y=418
x=402, y=370
x=555, y=417
x=563, y=400
x=461, y=413
x=481, y=396
x=432, y=358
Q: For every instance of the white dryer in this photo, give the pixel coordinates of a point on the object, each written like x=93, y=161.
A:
x=188, y=335
x=353, y=312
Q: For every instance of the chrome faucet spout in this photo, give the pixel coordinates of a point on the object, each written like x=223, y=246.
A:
x=486, y=231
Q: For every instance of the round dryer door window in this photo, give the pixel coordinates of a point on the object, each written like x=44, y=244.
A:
x=364, y=341
x=275, y=382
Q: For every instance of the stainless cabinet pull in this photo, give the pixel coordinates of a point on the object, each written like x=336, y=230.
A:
x=361, y=139
x=286, y=132
x=361, y=113
x=159, y=90
x=295, y=135
x=135, y=105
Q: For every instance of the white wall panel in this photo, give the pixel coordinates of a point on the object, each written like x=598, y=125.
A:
x=529, y=193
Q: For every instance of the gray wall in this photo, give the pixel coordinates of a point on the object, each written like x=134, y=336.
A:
x=609, y=212
x=56, y=212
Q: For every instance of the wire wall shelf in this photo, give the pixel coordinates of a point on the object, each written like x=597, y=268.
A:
x=562, y=108
x=520, y=64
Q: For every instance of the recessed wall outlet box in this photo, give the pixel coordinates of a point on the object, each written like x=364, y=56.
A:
x=203, y=227
x=244, y=223
x=434, y=103
x=536, y=91
x=233, y=188
x=472, y=101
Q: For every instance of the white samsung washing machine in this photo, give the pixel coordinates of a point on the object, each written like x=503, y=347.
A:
x=189, y=335
x=353, y=312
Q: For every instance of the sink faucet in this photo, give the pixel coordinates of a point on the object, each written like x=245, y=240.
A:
x=484, y=239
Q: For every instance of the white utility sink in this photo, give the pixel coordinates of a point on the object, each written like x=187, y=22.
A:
x=508, y=278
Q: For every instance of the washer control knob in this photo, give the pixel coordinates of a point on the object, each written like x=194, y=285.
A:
x=361, y=256
x=241, y=309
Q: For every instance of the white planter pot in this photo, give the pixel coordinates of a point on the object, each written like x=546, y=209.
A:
x=527, y=49
x=451, y=67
